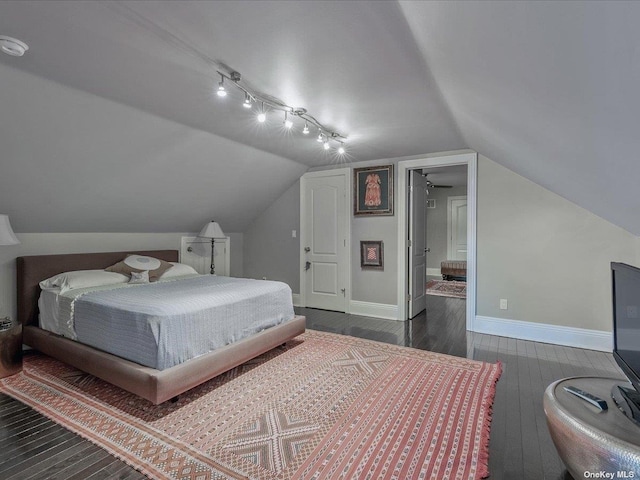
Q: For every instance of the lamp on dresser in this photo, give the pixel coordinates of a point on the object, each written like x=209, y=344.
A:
x=7, y=237
x=213, y=231
x=10, y=332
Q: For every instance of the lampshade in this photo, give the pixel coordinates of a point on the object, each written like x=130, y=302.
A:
x=212, y=230
x=7, y=237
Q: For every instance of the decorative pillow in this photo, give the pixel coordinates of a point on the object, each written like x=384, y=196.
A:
x=139, y=277
x=140, y=263
x=178, y=270
x=82, y=279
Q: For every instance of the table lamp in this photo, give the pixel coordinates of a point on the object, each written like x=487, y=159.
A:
x=7, y=237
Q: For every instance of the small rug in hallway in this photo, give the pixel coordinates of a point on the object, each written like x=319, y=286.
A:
x=447, y=288
x=325, y=406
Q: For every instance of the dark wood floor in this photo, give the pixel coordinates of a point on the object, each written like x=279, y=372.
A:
x=32, y=447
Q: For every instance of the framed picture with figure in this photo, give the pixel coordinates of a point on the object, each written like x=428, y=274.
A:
x=373, y=190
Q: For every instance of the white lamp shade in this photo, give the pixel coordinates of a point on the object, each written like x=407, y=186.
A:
x=212, y=230
x=7, y=237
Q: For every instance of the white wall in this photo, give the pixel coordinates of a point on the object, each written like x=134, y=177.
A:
x=368, y=285
x=269, y=244
x=548, y=257
x=54, y=243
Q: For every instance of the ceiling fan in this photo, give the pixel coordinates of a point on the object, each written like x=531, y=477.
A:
x=430, y=184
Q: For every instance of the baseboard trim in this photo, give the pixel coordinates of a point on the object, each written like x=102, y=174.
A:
x=296, y=299
x=378, y=310
x=540, y=332
x=434, y=272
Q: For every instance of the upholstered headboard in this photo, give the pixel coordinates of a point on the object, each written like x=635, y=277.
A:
x=33, y=269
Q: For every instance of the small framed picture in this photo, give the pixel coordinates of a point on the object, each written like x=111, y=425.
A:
x=371, y=254
x=373, y=190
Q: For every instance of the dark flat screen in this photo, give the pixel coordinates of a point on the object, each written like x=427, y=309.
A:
x=626, y=319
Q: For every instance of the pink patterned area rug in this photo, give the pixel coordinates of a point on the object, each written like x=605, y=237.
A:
x=447, y=288
x=325, y=406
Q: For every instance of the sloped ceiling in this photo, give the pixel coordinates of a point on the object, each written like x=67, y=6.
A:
x=550, y=90
x=114, y=125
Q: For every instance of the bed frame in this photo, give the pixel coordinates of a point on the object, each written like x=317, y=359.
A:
x=156, y=386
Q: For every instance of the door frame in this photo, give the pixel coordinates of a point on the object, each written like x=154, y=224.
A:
x=449, y=225
x=470, y=159
x=346, y=174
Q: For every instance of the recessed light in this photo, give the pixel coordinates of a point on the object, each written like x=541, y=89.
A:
x=12, y=46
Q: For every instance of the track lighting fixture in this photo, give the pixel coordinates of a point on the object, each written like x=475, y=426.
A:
x=325, y=135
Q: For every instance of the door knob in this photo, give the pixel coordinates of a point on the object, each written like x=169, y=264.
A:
x=307, y=266
x=307, y=249
x=427, y=250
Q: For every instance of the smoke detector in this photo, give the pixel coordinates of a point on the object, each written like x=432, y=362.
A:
x=12, y=46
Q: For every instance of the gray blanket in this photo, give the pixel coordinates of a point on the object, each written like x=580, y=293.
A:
x=164, y=324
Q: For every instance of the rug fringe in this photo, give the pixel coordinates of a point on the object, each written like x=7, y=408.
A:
x=483, y=454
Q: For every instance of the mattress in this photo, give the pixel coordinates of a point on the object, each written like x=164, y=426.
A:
x=163, y=324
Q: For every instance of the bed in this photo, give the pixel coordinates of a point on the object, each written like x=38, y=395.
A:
x=153, y=384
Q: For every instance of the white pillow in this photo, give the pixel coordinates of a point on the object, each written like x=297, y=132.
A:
x=82, y=279
x=178, y=270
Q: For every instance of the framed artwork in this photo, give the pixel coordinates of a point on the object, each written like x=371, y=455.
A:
x=373, y=190
x=371, y=254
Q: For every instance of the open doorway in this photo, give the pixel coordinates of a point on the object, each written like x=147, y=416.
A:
x=437, y=225
x=429, y=165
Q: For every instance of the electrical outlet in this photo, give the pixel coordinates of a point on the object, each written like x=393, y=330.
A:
x=264, y=278
x=294, y=233
x=503, y=304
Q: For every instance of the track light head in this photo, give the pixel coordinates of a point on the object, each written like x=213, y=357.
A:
x=247, y=101
x=325, y=145
x=341, y=150
x=287, y=123
x=262, y=116
x=305, y=130
x=222, y=92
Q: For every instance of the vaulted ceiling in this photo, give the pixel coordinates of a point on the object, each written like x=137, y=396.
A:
x=110, y=122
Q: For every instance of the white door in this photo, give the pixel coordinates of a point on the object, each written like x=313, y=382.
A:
x=417, y=243
x=324, y=241
x=457, y=227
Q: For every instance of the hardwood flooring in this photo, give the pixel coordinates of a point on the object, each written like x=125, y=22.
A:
x=33, y=447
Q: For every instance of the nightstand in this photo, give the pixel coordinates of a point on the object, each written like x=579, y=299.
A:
x=10, y=348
